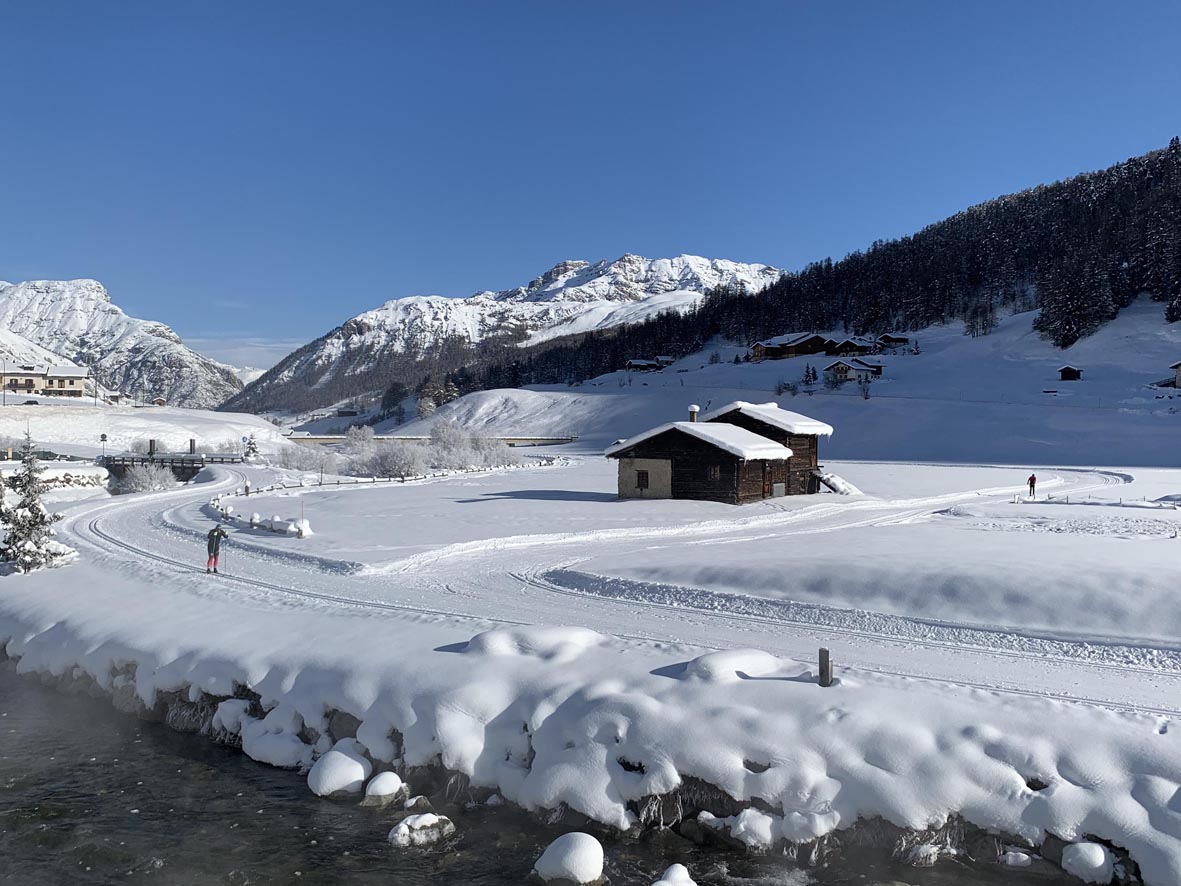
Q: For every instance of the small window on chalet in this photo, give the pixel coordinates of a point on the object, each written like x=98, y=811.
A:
x=641, y=479
x=715, y=473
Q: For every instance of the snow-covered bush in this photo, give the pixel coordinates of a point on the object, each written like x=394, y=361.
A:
x=28, y=541
x=146, y=478
x=307, y=458
x=396, y=459
x=359, y=442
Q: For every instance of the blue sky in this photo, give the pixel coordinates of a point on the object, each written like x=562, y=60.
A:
x=255, y=173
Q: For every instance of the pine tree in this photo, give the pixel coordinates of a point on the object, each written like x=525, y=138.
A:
x=29, y=541
x=251, y=447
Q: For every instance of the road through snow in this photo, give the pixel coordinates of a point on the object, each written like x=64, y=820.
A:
x=531, y=579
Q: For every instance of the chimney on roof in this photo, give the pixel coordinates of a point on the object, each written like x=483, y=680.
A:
x=693, y=410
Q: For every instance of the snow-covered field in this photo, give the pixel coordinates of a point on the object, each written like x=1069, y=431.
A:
x=1013, y=661
x=74, y=426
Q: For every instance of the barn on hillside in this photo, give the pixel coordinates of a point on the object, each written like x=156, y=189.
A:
x=713, y=461
x=797, y=432
x=1069, y=373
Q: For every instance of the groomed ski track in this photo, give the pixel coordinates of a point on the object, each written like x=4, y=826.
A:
x=529, y=580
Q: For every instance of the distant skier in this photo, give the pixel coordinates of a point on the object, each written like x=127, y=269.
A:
x=216, y=534
x=1032, y=485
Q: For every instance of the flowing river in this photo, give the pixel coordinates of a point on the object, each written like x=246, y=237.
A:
x=92, y=796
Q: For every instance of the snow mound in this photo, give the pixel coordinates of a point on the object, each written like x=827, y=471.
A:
x=676, y=875
x=757, y=830
x=385, y=787
x=732, y=664
x=557, y=644
x=839, y=485
x=421, y=830
x=1015, y=859
x=574, y=857
x=342, y=770
x=275, y=739
x=1090, y=862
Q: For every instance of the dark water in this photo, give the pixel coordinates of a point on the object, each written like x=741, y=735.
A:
x=92, y=796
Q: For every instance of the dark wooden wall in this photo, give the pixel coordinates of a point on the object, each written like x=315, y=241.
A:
x=805, y=451
x=691, y=459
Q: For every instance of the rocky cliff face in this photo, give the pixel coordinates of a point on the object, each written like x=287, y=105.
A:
x=76, y=320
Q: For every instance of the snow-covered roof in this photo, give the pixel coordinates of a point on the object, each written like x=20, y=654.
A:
x=852, y=364
x=730, y=438
x=789, y=338
x=1175, y=365
x=872, y=364
x=1068, y=366
x=770, y=413
x=855, y=340
x=69, y=372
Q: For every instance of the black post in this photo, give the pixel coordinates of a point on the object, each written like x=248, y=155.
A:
x=825, y=668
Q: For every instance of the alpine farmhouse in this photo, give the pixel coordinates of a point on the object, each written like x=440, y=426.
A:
x=737, y=454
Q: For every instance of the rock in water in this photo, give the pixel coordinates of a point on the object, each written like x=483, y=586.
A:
x=342, y=770
x=383, y=788
x=572, y=858
x=676, y=875
x=1090, y=862
x=421, y=830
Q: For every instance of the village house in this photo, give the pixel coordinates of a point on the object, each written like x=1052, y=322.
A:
x=1069, y=373
x=893, y=340
x=797, y=432
x=793, y=344
x=851, y=347
x=642, y=366
x=722, y=457
x=58, y=381
x=159, y=401
x=23, y=379
x=856, y=368
x=1176, y=367
x=65, y=381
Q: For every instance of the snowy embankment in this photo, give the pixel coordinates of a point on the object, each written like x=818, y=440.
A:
x=624, y=732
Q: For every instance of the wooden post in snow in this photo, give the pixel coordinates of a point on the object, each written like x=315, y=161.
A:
x=825, y=668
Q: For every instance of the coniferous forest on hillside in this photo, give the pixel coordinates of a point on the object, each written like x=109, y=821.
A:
x=1079, y=250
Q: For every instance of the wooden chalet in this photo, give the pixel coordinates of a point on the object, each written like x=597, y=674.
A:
x=893, y=340
x=1069, y=373
x=793, y=344
x=642, y=366
x=1176, y=367
x=856, y=368
x=799, y=433
x=709, y=461
x=850, y=347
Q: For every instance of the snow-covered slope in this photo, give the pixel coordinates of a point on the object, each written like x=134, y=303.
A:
x=996, y=398
x=76, y=319
x=571, y=297
x=16, y=349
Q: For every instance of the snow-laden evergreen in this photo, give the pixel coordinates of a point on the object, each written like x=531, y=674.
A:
x=28, y=542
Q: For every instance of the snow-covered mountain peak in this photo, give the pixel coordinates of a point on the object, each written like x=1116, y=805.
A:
x=77, y=320
x=573, y=296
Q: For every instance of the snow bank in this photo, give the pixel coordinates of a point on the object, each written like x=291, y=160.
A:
x=574, y=857
x=838, y=485
x=342, y=770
